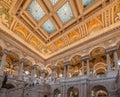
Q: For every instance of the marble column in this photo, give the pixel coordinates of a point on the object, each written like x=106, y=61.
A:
x=67, y=65
x=68, y=70
x=43, y=73
x=82, y=67
x=33, y=72
x=116, y=59
x=81, y=90
x=3, y=92
x=64, y=71
x=3, y=60
x=108, y=62
x=54, y=74
x=84, y=91
x=88, y=67
x=20, y=70
x=53, y=70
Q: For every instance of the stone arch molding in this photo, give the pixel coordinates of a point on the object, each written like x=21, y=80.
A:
x=96, y=88
x=16, y=51
x=58, y=88
x=95, y=48
x=30, y=59
x=100, y=84
x=61, y=60
x=14, y=84
x=74, y=86
x=77, y=54
x=39, y=64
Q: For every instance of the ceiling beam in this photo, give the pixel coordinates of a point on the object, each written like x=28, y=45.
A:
x=73, y=8
x=80, y=6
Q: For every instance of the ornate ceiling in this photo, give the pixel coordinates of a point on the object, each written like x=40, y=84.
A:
x=52, y=26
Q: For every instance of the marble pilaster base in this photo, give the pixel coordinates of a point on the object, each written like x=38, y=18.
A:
x=118, y=91
x=3, y=92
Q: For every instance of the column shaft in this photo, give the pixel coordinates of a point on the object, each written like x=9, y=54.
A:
x=82, y=67
x=20, y=71
x=116, y=60
x=3, y=60
x=4, y=52
x=108, y=62
x=68, y=69
x=64, y=71
x=33, y=74
x=88, y=67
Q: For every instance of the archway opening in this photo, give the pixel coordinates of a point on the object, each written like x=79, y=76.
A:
x=73, y=92
x=60, y=69
x=98, y=61
x=9, y=86
x=99, y=91
x=12, y=64
x=75, y=66
x=57, y=93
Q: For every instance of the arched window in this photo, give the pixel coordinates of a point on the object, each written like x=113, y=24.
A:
x=57, y=93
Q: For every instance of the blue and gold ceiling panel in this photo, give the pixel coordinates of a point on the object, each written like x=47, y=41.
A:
x=65, y=13
x=36, y=10
x=48, y=26
x=87, y=2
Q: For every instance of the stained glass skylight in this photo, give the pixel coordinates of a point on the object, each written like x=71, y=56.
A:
x=53, y=2
x=65, y=13
x=35, y=10
x=48, y=26
x=87, y=2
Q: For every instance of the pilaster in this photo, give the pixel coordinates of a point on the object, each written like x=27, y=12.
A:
x=4, y=55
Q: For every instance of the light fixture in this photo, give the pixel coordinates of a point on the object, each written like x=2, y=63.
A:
x=27, y=72
x=35, y=75
x=119, y=62
x=60, y=75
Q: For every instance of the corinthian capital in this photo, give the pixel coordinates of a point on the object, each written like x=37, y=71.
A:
x=22, y=60
x=5, y=51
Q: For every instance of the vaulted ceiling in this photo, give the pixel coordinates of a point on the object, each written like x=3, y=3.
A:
x=49, y=27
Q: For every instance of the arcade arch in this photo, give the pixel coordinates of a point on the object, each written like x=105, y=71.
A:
x=99, y=91
x=73, y=92
x=57, y=93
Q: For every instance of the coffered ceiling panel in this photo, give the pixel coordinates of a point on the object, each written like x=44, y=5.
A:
x=48, y=26
x=65, y=13
x=35, y=10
